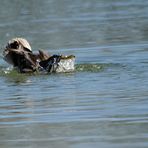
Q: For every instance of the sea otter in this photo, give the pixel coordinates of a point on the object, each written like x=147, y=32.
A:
x=18, y=53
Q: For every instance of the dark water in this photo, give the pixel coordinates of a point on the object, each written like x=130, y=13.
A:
x=104, y=102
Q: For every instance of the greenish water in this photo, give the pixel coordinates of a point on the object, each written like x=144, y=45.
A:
x=104, y=102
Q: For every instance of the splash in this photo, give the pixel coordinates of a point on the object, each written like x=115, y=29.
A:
x=4, y=70
x=89, y=67
x=9, y=71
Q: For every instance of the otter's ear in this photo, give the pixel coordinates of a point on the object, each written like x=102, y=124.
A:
x=14, y=45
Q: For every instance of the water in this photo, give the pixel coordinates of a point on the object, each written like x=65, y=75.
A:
x=104, y=102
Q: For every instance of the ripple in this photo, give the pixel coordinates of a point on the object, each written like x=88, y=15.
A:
x=86, y=67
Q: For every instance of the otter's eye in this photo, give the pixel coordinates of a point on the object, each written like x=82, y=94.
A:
x=14, y=45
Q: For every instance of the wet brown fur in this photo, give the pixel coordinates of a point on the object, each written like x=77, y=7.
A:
x=18, y=53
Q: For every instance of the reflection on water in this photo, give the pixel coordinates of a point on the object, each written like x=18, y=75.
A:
x=104, y=102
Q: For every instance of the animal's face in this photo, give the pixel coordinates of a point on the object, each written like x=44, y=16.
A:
x=18, y=44
x=18, y=53
x=10, y=52
x=13, y=45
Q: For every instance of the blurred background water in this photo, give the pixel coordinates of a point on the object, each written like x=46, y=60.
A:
x=104, y=102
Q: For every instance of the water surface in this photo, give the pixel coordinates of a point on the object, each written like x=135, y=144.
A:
x=104, y=102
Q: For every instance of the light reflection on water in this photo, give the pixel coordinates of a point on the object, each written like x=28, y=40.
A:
x=104, y=102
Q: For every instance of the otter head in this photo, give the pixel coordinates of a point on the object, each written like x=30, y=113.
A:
x=18, y=53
